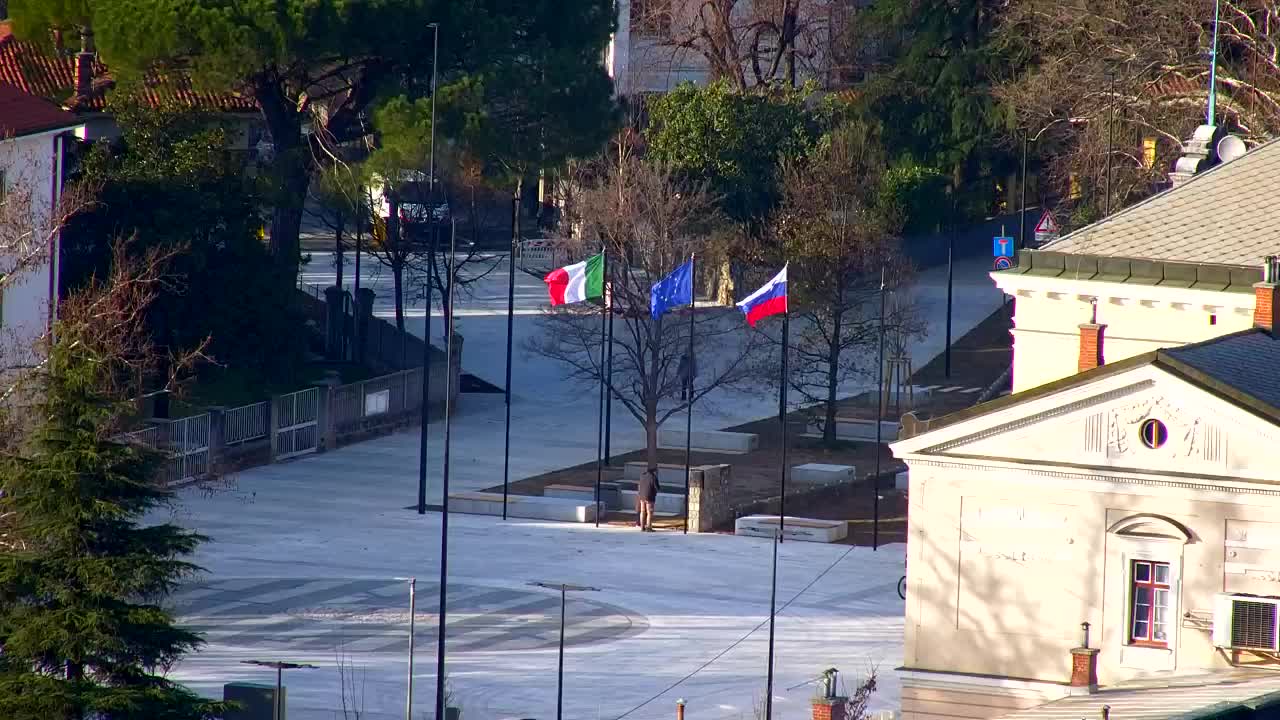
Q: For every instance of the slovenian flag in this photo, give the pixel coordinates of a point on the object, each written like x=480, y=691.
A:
x=577, y=282
x=768, y=300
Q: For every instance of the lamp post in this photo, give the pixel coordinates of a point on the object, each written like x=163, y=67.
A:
x=280, y=666
x=426, y=328
x=563, y=588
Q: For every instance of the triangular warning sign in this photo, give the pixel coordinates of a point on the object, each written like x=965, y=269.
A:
x=1047, y=224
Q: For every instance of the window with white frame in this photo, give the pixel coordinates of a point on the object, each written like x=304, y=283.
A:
x=1149, y=598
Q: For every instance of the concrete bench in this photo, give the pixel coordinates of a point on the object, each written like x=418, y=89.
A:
x=666, y=502
x=858, y=429
x=806, y=529
x=524, y=506
x=570, y=492
x=822, y=474
x=709, y=440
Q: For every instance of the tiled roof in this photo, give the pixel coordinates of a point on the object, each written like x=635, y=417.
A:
x=1246, y=361
x=1228, y=215
x=26, y=66
x=25, y=114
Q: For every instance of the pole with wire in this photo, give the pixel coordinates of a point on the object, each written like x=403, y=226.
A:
x=880, y=397
x=773, y=602
x=604, y=317
x=444, y=516
x=1022, y=205
x=688, y=421
x=426, y=331
x=782, y=417
x=511, y=313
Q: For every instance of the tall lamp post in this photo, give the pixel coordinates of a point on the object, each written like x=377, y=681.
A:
x=426, y=329
x=563, y=588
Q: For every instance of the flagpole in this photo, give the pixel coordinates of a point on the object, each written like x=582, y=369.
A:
x=608, y=396
x=880, y=401
x=444, y=516
x=773, y=601
x=688, y=423
x=782, y=403
x=604, y=316
x=511, y=311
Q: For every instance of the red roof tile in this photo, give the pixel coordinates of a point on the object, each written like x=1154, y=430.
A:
x=26, y=66
x=25, y=114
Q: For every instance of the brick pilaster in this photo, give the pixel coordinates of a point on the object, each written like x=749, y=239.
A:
x=1265, y=306
x=832, y=708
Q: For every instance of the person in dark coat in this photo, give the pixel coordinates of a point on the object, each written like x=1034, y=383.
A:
x=687, y=370
x=647, y=494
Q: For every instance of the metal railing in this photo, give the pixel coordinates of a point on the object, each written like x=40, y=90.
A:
x=390, y=395
x=297, y=427
x=245, y=423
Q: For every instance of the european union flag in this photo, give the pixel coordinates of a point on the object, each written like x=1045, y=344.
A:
x=672, y=291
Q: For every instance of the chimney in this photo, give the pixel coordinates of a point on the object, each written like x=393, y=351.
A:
x=84, y=64
x=1091, y=336
x=1264, y=295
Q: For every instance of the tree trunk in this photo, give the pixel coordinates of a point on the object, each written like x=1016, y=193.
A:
x=339, y=258
x=724, y=285
x=397, y=274
x=651, y=435
x=290, y=171
x=833, y=374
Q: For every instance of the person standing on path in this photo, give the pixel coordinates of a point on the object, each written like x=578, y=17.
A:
x=647, y=494
x=687, y=370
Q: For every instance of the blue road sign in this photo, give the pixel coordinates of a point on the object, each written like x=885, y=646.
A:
x=1002, y=246
x=1003, y=263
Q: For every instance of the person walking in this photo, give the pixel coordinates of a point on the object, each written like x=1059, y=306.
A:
x=687, y=370
x=646, y=496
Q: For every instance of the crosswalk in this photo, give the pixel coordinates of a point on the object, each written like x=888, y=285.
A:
x=372, y=616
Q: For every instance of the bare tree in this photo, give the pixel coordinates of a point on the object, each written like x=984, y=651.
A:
x=337, y=201
x=839, y=235
x=648, y=223
x=747, y=42
x=1148, y=62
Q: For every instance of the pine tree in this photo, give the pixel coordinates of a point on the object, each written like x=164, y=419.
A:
x=82, y=634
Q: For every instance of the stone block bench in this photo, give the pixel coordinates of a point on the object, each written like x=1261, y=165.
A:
x=525, y=506
x=806, y=529
x=667, y=502
x=822, y=474
x=709, y=441
x=570, y=492
x=858, y=429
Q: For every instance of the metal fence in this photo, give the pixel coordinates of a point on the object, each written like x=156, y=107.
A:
x=188, y=445
x=388, y=395
x=245, y=423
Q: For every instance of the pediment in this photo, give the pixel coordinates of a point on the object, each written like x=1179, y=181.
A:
x=1143, y=420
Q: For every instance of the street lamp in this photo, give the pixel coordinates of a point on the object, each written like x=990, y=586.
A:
x=563, y=588
x=280, y=666
x=426, y=329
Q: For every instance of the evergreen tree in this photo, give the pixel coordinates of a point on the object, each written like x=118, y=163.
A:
x=81, y=629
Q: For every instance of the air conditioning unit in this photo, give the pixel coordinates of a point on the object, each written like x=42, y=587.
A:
x=1246, y=622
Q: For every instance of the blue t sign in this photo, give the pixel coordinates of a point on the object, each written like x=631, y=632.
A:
x=1002, y=246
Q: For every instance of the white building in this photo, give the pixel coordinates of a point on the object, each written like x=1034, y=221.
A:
x=33, y=134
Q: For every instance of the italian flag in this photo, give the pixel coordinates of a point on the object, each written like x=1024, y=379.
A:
x=577, y=282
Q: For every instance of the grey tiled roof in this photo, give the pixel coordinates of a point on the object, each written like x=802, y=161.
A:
x=1245, y=361
x=1228, y=215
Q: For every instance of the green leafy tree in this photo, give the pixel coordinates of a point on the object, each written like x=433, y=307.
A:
x=170, y=182
x=733, y=139
x=322, y=65
x=81, y=579
x=932, y=92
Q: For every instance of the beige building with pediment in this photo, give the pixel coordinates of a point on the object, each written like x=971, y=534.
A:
x=1112, y=529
